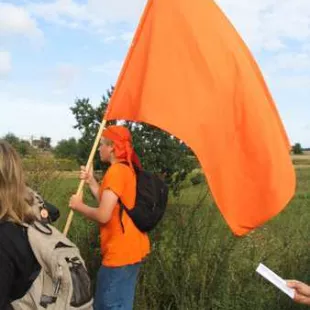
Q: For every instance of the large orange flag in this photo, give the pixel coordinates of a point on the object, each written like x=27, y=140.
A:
x=189, y=73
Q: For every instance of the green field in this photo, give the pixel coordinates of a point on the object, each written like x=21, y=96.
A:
x=302, y=161
x=196, y=262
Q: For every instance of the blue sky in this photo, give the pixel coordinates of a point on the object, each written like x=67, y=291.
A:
x=52, y=52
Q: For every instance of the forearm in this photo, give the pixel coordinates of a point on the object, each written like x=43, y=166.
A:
x=103, y=213
x=94, y=214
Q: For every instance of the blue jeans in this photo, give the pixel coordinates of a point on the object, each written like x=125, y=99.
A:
x=115, y=289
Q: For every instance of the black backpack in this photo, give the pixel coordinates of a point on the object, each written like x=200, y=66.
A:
x=151, y=201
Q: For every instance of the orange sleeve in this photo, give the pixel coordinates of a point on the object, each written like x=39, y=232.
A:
x=114, y=180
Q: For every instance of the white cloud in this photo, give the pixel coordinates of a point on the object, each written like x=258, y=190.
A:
x=125, y=37
x=5, y=63
x=65, y=75
x=15, y=20
x=292, y=82
x=95, y=14
x=110, y=39
x=116, y=10
x=63, y=12
x=307, y=127
x=110, y=68
x=264, y=24
x=293, y=61
x=268, y=23
x=274, y=45
x=306, y=47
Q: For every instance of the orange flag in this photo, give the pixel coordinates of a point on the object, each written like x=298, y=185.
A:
x=189, y=73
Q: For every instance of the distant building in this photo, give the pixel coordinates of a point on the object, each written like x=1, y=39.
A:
x=42, y=143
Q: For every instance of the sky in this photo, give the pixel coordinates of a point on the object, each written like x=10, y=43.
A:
x=53, y=52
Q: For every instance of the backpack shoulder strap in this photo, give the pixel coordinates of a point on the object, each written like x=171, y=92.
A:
x=121, y=204
x=44, y=239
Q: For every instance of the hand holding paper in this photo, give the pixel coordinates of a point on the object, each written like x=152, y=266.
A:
x=275, y=280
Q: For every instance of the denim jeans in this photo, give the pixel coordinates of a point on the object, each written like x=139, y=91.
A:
x=115, y=289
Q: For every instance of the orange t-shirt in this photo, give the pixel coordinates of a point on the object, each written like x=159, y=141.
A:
x=120, y=248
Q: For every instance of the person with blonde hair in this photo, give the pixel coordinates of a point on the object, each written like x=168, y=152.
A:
x=18, y=265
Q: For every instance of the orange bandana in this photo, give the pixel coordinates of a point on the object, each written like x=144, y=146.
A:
x=122, y=140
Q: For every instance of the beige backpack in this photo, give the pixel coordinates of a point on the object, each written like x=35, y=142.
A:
x=63, y=282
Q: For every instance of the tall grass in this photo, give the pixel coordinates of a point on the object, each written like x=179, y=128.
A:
x=196, y=262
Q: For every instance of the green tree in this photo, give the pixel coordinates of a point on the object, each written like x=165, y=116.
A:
x=23, y=147
x=159, y=151
x=297, y=149
x=88, y=120
x=67, y=149
x=12, y=139
x=45, y=143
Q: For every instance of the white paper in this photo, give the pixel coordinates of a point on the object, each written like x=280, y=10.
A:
x=275, y=280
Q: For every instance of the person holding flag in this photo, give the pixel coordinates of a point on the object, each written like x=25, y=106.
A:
x=123, y=245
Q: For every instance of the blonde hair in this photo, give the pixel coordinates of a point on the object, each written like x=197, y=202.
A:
x=14, y=196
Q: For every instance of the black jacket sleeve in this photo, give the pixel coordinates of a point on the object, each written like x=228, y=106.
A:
x=7, y=275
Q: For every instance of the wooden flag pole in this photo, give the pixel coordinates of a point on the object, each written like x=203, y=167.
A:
x=89, y=163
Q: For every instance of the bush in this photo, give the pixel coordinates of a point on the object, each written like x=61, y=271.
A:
x=41, y=163
x=198, y=179
x=297, y=149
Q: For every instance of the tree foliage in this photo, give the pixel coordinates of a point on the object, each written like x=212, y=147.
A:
x=23, y=147
x=297, y=149
x=67, y=149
